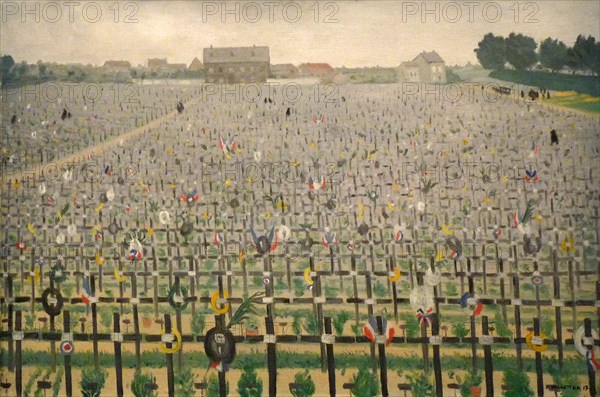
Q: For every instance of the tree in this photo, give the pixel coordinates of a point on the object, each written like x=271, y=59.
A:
x=491, y=52
x=553, y=54
x=585, y=54
x=520, y=51
x=7, y=63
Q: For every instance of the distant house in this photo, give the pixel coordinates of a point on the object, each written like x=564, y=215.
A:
x=427, y=67
x=236, y=64
x=195, y=66
x=156, y=64
x=316, y=70
x=284, y=71
x=117, y=65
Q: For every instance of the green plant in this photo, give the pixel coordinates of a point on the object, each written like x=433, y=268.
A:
x=380, y=290
x=501, y=327
x=548, y=327
x=305, y=386
x=563, y=377
x=420, y=384
x=517, y=384
x=198, y=323
x=412, y=325
x=249, y=384
x=339, y=320
x=92, y=382
x=142, y=384
x=184, y=383
x=472, y=379
x=451, y=290
x=57, y=382
x=365, y=384
x=31, y=381
x=311, y=325
x=460, y=331
x=212, y=388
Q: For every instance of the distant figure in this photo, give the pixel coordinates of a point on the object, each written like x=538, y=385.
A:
x=270, y=101
x=287, y=112
x=522, y=94
x=180, y=107
x=64, y=114
x=344, y=98
x=553, y=137
x=69, y=115
x=14, y=119
x=547, y=94
x=265, y=99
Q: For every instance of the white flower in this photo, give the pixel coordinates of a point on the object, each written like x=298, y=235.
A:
x=164, y=217
x=60, y=238
x=42, y=188
x=257, y=156
x=421, y=206
x=110, y=194
x=72, y=230
x=68, y=175
x=284, y=233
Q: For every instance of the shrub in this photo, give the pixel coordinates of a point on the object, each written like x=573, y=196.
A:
x=184, y=383
x=501, y=327
x=339, y=320
x=420, y=384
x=460, y=331
x=142, y=384
x=198, y=323
x=305, y=385
x=92, y=382
x=517, y=384
x=365, y=384
x=412, y=325
x=249, y=384
x=212, y=389
x=473, y=378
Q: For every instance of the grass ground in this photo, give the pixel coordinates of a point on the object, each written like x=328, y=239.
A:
x=589, y=85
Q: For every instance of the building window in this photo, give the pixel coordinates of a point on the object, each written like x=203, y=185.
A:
x=220, y=69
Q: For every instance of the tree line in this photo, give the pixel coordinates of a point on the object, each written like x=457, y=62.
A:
x=522, y=53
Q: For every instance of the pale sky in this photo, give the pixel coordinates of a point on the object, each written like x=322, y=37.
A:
x=367, y=33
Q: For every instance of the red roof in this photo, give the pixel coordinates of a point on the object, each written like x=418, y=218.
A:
x=316, y=68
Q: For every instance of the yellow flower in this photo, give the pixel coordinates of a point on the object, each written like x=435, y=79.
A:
x=282, y=205
x=567, y=245
x=504, y=179
x=170, y=150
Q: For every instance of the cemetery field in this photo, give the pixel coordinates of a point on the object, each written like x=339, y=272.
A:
x=407, y=234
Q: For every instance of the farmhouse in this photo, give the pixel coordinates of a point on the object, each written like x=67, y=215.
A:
x=161, y=65
x=117, y=65
x=284, y=71
x=195, y=66
x=316, y=70
x=427, y=67
x=237, y=64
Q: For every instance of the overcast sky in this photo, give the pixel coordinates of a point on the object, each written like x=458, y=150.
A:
x=342, y=33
